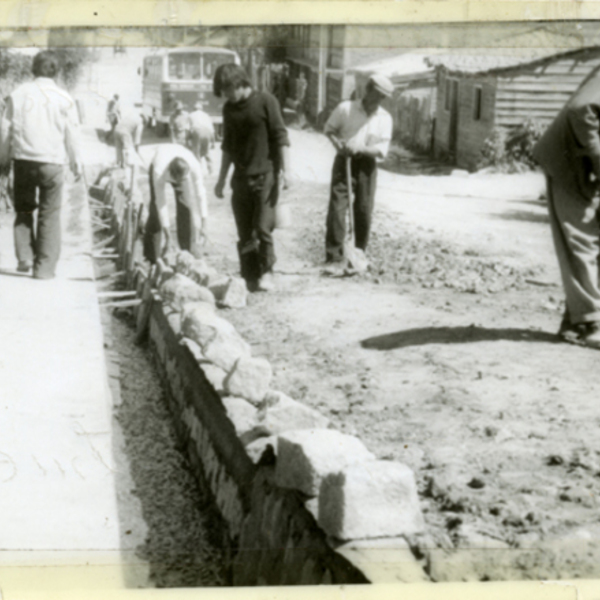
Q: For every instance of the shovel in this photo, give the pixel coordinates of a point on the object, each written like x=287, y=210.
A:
x=355, y=259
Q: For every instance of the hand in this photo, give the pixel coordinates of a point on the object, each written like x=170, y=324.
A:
x=283, y=180
x=76, y=168
x=592, y=210
x=219, y=189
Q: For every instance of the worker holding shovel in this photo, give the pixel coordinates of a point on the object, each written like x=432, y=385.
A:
x=361, y=131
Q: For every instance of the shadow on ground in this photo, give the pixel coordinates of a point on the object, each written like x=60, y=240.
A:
x=453, y=335
x=523, y=215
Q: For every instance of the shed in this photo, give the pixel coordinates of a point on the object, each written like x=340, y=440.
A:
x=480, y=91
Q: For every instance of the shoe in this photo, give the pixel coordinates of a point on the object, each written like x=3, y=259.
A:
x=24, y=266
x=570, y=332
x=266, y=283
x=591, y=337
x=44, y=276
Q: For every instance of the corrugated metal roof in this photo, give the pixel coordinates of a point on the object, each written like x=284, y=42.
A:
x=486, y=60
x=406, y=63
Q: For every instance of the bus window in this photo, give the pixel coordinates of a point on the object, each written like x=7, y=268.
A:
x=184, y=65
x=214, y=60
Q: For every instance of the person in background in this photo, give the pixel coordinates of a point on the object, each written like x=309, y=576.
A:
x=176, y=166
x=113, y=108
x=255, y=141
x=360, y=130
x=39, y=131
x=127, y=135
x=201, y=135
x=179, y=124
x=569, y=154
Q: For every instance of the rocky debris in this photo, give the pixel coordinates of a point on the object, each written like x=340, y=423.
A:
x=242, y=414
x=250, y=379
x=184, y=262
x=174, y=320
x=257, y=447
x=194, y=349
x=369, y=500
x=202, y=273
x=230, y=293
x=218, y=339
x=278, y=412
x=215, y=375
x=179, y=290
x=305, y=456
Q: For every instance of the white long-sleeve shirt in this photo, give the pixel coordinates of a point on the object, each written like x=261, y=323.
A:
x=194, y=195
x=350, y=122
x=41, y=124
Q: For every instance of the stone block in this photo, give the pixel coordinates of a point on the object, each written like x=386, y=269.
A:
x=218, y=339
x=250, y=379
x=305, y=456
x=202, y=273
x=184, y=261
x=371, y=500
x=215, y=376
x=230, y=293
x=179, y=290
x=257, y=447
x=174, y=320
x=278, y=413
x=242, y=414
x=194, y=349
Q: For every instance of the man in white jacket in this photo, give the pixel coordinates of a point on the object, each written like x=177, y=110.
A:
x=40, y=134
x=176, y=166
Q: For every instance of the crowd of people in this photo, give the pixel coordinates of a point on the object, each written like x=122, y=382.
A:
x=40, y=141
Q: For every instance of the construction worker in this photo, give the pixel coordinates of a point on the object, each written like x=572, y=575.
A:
x=179, y=124
x=127, y=135
x=201, y=135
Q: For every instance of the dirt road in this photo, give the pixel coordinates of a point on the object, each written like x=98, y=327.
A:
x=443, y=357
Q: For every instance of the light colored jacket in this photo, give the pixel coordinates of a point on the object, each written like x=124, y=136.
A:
x=41, y=124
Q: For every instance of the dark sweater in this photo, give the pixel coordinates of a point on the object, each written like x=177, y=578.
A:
x=253, y=132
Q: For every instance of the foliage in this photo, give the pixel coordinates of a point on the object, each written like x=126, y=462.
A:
x=72, y=61
x=15, y=68
x=511, y=151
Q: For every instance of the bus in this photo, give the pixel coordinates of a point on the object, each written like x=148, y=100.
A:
x=184, y=74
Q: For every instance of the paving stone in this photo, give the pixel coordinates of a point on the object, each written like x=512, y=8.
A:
x=242, y=414
x=215, y=376
x=230, y=293
x=250, y=379
x=305, y=456
x=179, y=290
x=184, y=261
x=202, y=273
x=218, y=339
x=278, y=413
x=370, y=500
x=256, y=448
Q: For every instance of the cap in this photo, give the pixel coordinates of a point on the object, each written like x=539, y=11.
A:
x=382, y=84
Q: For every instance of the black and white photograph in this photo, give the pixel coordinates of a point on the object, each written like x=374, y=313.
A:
x=299, y=304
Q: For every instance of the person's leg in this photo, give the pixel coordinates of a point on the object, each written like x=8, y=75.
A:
x=577, y=249
x=25, y=204
x=264, y=194
x=183, y=216
x=152, y=231
x=336, y=214
x=243, y=213
x=48, y=239
x=366, y=183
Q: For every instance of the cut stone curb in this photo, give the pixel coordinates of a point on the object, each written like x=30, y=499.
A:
x=250, y=379
x=371, y=500
x=242, y=414
x=305, y=456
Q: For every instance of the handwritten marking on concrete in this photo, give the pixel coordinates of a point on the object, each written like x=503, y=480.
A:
x=39, y=464
x=7, y=464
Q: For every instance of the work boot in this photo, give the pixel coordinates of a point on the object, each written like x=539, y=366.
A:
x=266, y=283
x=24, y=266
x=570, y=332
x=591, y=337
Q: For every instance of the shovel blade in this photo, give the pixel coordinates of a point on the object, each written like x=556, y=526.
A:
x=356, y=260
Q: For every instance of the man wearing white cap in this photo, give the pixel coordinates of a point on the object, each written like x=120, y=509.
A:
x=362, y=130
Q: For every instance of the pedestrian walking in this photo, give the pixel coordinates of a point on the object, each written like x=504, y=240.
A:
x=179, y=124
x=569, y=154
x=361, y=131
x=127, y=135
x=176, y=166
x=113, y=108
x=201, y=135
x=40, y=133
x=255, y=141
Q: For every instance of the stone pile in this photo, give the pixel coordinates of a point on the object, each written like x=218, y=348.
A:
x=351, y=494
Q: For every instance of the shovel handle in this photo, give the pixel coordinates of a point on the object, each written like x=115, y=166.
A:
x=350, y=194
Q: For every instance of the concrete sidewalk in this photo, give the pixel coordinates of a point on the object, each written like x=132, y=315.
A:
x=65, y=496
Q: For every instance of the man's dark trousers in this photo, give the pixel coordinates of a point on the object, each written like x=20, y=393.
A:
x=253, y=201
x=364, y=184
x=153, y=231
x=38, y=245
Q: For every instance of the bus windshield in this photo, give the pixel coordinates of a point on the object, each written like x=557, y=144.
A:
x=188, y=65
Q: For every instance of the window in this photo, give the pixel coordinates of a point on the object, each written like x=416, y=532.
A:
x=477, y=102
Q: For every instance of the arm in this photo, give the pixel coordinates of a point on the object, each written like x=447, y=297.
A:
x=6, y=135
x=278, y=136
x=199, y=193
x=159, y=182
x=72, y=139
x=376, y=146
x=332, y=130
x=585, y=123
x=225, y=164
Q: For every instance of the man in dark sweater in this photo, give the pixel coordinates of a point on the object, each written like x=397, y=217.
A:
x=255, y=141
